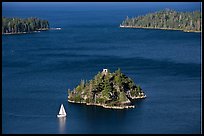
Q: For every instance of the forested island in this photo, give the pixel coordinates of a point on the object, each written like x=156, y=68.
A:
x=166, y=19
x=109, y=90
x=20, y=25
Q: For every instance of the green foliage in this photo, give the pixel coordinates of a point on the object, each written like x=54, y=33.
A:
x=105, y=94
x=78, y=88
x=100, y=100
x=130, y=83
x=139, y=88
x=118, y=80
x=77, y=98
x=118, y=71
x=122, y=97
x=17, y=25
x=88, y=100
x=108, y=89
x=133, y=92
x=188, y=21
x=107, y=85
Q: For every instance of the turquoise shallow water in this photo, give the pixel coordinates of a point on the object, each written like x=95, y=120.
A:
x=38, y=68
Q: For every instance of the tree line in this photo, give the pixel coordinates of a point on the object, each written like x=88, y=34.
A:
x=166, y=19
x=19, y=25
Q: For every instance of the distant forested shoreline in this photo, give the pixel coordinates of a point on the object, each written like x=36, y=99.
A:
x=20, y=25
x=166, y=19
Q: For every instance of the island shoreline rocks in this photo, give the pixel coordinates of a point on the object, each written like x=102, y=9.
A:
x=104, y=106
x=37, y=31
x=110, y=107
x=108, y=90
x=153, y=28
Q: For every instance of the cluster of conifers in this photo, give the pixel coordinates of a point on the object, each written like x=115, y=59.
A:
x=108, y=90
x=19, y=25
x=166, y=19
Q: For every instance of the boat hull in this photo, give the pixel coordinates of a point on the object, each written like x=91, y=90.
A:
x=59, y=116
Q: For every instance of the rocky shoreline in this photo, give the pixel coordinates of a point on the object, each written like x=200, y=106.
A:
x=111, y=107
x=37, y=31
x=105, y=106
x=121, y=26
x=139, y=97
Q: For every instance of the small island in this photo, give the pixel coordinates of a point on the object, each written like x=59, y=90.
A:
x=166, y=19
x=21, y=26
x=109, y=90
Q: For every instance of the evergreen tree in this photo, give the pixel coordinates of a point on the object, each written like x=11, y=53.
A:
x=18, y=25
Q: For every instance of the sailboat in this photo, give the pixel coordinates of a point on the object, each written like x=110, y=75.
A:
x=62, y=112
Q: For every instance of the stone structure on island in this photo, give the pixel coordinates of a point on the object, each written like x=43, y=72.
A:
x=109, y=90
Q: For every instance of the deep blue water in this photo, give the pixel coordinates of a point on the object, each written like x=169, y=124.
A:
x=38, y=68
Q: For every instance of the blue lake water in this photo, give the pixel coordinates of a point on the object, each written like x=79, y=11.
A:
x=38, y=68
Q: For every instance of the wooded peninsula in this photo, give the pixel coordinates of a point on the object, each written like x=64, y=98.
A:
x=166, y=19
x=109, y=90
x=20, y=25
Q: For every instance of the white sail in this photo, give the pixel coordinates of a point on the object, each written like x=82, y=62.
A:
x=62, y=110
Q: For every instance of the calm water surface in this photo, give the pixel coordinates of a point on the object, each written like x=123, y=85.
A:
x=38, y=68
